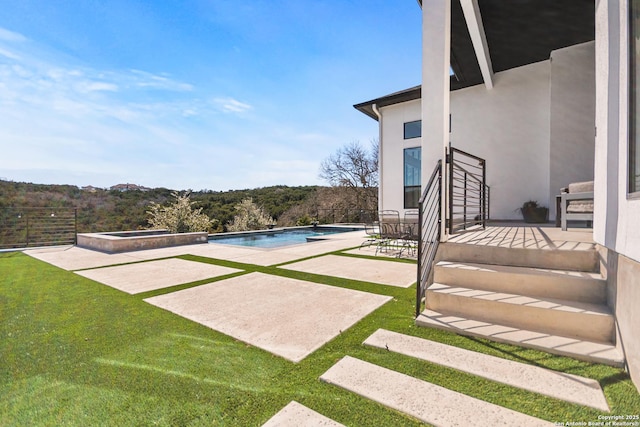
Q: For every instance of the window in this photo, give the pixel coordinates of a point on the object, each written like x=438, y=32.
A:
x=634, y=98
x=412, y=177
x=413, y=129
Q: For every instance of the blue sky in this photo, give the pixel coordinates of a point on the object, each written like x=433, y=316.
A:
x=199, y=94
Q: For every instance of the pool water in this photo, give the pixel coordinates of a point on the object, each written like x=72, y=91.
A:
x=279, y=238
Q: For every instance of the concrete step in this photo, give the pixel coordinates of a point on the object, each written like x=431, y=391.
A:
x=589, y=351
x=559, y=385
x=298, y=415
x=592, y=322
x=579, y=259
x=420, y=399
x=535, y=282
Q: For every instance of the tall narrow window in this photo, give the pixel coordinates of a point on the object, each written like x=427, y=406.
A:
x=634, y=97
x=412, y=177
x=413, y=129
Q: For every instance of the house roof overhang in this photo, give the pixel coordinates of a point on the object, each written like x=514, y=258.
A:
x=518, y=32
x=391, y=99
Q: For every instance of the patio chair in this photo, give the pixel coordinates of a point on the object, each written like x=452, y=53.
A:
x=390, y=230
x=372, y=230
x=576, y=203
x=410, y=232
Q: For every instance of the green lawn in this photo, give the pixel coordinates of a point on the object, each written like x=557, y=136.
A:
x=75, y=352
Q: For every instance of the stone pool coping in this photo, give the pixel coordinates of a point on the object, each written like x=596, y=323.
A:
x=126, y=241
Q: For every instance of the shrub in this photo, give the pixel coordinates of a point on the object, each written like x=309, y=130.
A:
x=305, y=220
x=250, y=217
x=179, y=217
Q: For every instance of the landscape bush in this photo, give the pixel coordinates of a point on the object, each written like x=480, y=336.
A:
x=250, y=217
x=178, y=217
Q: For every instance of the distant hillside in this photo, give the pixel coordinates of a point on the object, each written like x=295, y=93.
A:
x=111, y=210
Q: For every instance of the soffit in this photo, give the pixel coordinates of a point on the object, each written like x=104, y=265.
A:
x=519, y=32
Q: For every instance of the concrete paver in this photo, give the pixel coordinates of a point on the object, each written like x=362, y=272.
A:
x=571, y=388
x=425, y=401
x=75, y=258
x=297, y=415
x=288, y=317
x=152, y=275
x=376, y=271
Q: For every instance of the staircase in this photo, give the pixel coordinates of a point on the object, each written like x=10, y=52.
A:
x=547, y=299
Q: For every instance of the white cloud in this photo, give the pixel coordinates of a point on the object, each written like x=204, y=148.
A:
x=154, y=81
x=8, y=54
x=230, y=105
x=11, y=36
x=89, y=86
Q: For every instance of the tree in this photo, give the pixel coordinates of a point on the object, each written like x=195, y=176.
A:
x=178, y=217
x=250, y=217
x=356, y=168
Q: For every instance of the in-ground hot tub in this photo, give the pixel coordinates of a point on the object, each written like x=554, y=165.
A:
x=124, y=241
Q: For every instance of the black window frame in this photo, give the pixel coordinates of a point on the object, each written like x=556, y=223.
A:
x=411, y=194
x=412, y=134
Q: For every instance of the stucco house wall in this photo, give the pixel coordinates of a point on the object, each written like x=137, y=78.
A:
x=616, y=215
x=513, y=141
x=528, y=157
x=508, y=126
x=573, y=93
x=391, y=190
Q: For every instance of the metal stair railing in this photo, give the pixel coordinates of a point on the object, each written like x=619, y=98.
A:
x=467, y=191
x=429, y=223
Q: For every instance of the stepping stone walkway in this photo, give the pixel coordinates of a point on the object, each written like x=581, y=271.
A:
x=425, y=401
x=152, y=275
x=571, y=388
x=297, y=415
x=384, y=272
x=288, y=317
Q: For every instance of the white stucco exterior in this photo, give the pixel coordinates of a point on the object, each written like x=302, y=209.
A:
x=391, y=193
x=617, y=215
x=531, y=152
x=508, y=126
x=572, y=137
x=517, y=155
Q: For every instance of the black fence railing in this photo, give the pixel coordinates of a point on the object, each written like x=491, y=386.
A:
x=30, y=227
x=345, y=215
x=429, y=224
x=467, y=191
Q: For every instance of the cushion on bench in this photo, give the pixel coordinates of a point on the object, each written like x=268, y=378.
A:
x=580, y=206
x=581, y=187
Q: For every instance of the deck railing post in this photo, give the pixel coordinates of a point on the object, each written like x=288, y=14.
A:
x=484, y=195
x=429, y=223
x=464, y=203
x=450, y=190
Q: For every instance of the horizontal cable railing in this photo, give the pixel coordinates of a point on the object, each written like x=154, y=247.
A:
x=467, y=191
x=30, y=227
x=345, y=215
x=428, y=231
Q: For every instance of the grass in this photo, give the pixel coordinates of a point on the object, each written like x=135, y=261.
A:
x=75, y=352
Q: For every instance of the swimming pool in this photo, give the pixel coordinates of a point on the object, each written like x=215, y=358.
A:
x=278, y=238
